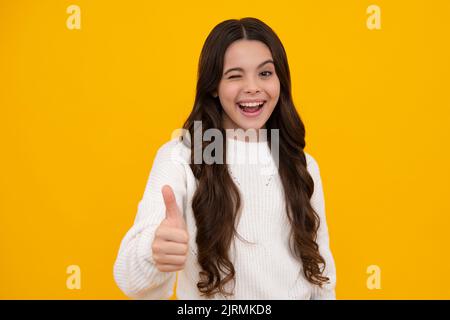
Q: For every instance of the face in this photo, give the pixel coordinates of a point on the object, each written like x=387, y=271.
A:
x=249, y=88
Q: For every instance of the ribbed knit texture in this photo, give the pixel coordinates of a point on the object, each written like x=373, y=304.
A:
x=265, y=267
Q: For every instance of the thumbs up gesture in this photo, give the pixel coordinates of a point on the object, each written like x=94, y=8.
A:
x=171, y=242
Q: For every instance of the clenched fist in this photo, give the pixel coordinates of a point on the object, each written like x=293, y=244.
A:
x=171, y=242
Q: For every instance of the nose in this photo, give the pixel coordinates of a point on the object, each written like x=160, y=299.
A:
x=251, y=86
x=250, y=91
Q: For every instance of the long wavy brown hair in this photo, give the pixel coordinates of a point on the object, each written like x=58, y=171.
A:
x=216, y=203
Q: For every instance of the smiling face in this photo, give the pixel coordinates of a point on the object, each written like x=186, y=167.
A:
x=249, y=88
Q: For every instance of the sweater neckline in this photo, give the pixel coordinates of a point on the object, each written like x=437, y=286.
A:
x=247, y=143
x=241, y=152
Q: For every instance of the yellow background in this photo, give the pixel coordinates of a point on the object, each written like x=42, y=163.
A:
x=82, y=113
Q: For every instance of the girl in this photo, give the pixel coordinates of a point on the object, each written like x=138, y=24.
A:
x=233, y=230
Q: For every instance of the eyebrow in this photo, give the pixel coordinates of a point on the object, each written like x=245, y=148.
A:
x=240, y=69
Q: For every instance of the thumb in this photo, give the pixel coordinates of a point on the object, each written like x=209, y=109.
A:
x=172, y=211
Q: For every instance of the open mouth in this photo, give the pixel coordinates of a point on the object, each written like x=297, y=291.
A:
x=251, y=108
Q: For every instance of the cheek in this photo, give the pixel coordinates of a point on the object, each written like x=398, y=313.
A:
x=273, y=88
x=228, y=94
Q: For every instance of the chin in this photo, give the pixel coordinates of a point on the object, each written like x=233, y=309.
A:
x=248, y=126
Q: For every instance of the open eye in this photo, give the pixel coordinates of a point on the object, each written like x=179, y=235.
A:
x=266, y=73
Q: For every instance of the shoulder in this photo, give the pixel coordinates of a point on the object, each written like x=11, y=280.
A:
x=317, y=198
x=312, y=166
x=174, y=151
x=311, y=162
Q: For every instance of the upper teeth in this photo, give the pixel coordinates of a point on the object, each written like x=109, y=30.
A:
x=251, y=104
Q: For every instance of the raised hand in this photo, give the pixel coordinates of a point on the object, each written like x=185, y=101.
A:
x=171, y=241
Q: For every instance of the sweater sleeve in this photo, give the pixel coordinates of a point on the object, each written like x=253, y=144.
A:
x=134, y=270
x=327, y=292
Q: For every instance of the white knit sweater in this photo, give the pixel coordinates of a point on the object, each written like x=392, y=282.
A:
x=265, y=267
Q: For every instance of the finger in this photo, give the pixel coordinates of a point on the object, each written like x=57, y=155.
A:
x=172, y=234
x=169, y=267
x=172, y=211
x=176, y=260
x=169, y=248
